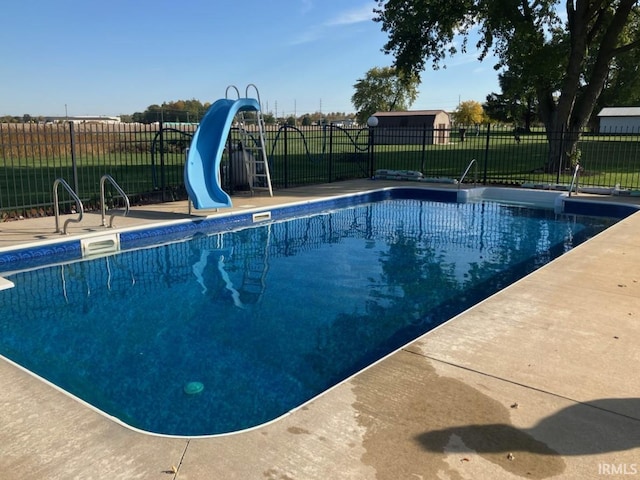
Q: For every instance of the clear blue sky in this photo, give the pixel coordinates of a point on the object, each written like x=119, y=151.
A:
x=119, y=57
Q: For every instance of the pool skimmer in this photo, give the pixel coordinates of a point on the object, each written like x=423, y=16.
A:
x=101, y=245
x=261, y=217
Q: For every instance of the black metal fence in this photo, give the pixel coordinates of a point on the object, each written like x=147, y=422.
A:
x=147, y=161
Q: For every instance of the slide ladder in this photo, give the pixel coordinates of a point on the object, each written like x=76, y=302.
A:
x=252, y=134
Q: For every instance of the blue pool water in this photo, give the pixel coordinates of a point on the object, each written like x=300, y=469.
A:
x=226, y=331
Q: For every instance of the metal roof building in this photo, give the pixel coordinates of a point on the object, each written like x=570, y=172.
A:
x=413, y=126
x=619, y=120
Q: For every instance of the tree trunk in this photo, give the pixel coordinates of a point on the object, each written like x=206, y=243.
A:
x=529, y=112
x=562, y=111
x=555, y=160
x=565, y=120
x=563, y=149
x=553, y=128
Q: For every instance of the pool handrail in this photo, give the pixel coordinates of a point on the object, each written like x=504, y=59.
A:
x=56, y=208
x=574, y=179
x=104, y=178
x=231, y=87
x=475, y=173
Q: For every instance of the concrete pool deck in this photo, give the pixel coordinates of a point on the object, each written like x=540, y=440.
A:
x=538, y=381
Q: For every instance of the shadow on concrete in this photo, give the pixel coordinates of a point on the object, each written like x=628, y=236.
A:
x=590, y=428
x=153, y=215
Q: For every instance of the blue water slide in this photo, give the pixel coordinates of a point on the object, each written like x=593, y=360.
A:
x=202, y=170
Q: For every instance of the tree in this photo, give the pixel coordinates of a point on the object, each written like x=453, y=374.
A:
x=178, y=111
x=517, y=103
x=622, y=87
x=566, y=62
x=383, y=90
x=269, y=119
x=468, y=113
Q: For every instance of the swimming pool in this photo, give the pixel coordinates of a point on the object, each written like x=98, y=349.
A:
x=255, y=321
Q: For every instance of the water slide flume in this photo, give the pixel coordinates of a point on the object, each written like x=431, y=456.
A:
x=202, y=170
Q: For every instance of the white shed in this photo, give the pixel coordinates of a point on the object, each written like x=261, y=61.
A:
x=619, y=120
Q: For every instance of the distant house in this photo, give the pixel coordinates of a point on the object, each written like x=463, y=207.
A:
x=619, y=120
x=84, y=119
x=344, y=123
x=413, y=126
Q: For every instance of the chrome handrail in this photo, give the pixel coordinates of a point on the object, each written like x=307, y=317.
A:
x=475, y=173
x=574, y=179
x=56, y=208
x=102, y=202
x=246, y=93
x=229, y=87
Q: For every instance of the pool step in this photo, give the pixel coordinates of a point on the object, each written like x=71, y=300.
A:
x=517, y=196
x=6, y=284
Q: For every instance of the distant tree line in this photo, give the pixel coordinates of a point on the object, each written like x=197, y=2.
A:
x=21, y=119
x=192, y=111
x=181, y=111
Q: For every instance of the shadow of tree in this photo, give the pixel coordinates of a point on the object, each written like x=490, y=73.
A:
x=579, y=429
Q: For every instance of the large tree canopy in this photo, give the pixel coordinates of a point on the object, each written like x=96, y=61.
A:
x=468, y=113
x=622, y=86
x=516, y=104
x=383, y=90
x=564, y=55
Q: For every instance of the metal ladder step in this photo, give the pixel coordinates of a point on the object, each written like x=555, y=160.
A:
x=255, y=155
x=252, y=149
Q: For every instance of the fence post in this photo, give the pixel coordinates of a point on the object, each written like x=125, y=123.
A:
x=424, y=145
x=560, y=154
x=372, y=123
x=286, y=159
x=486, y=155
x=162, y=160
x=74, y=163
x=330, y=127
